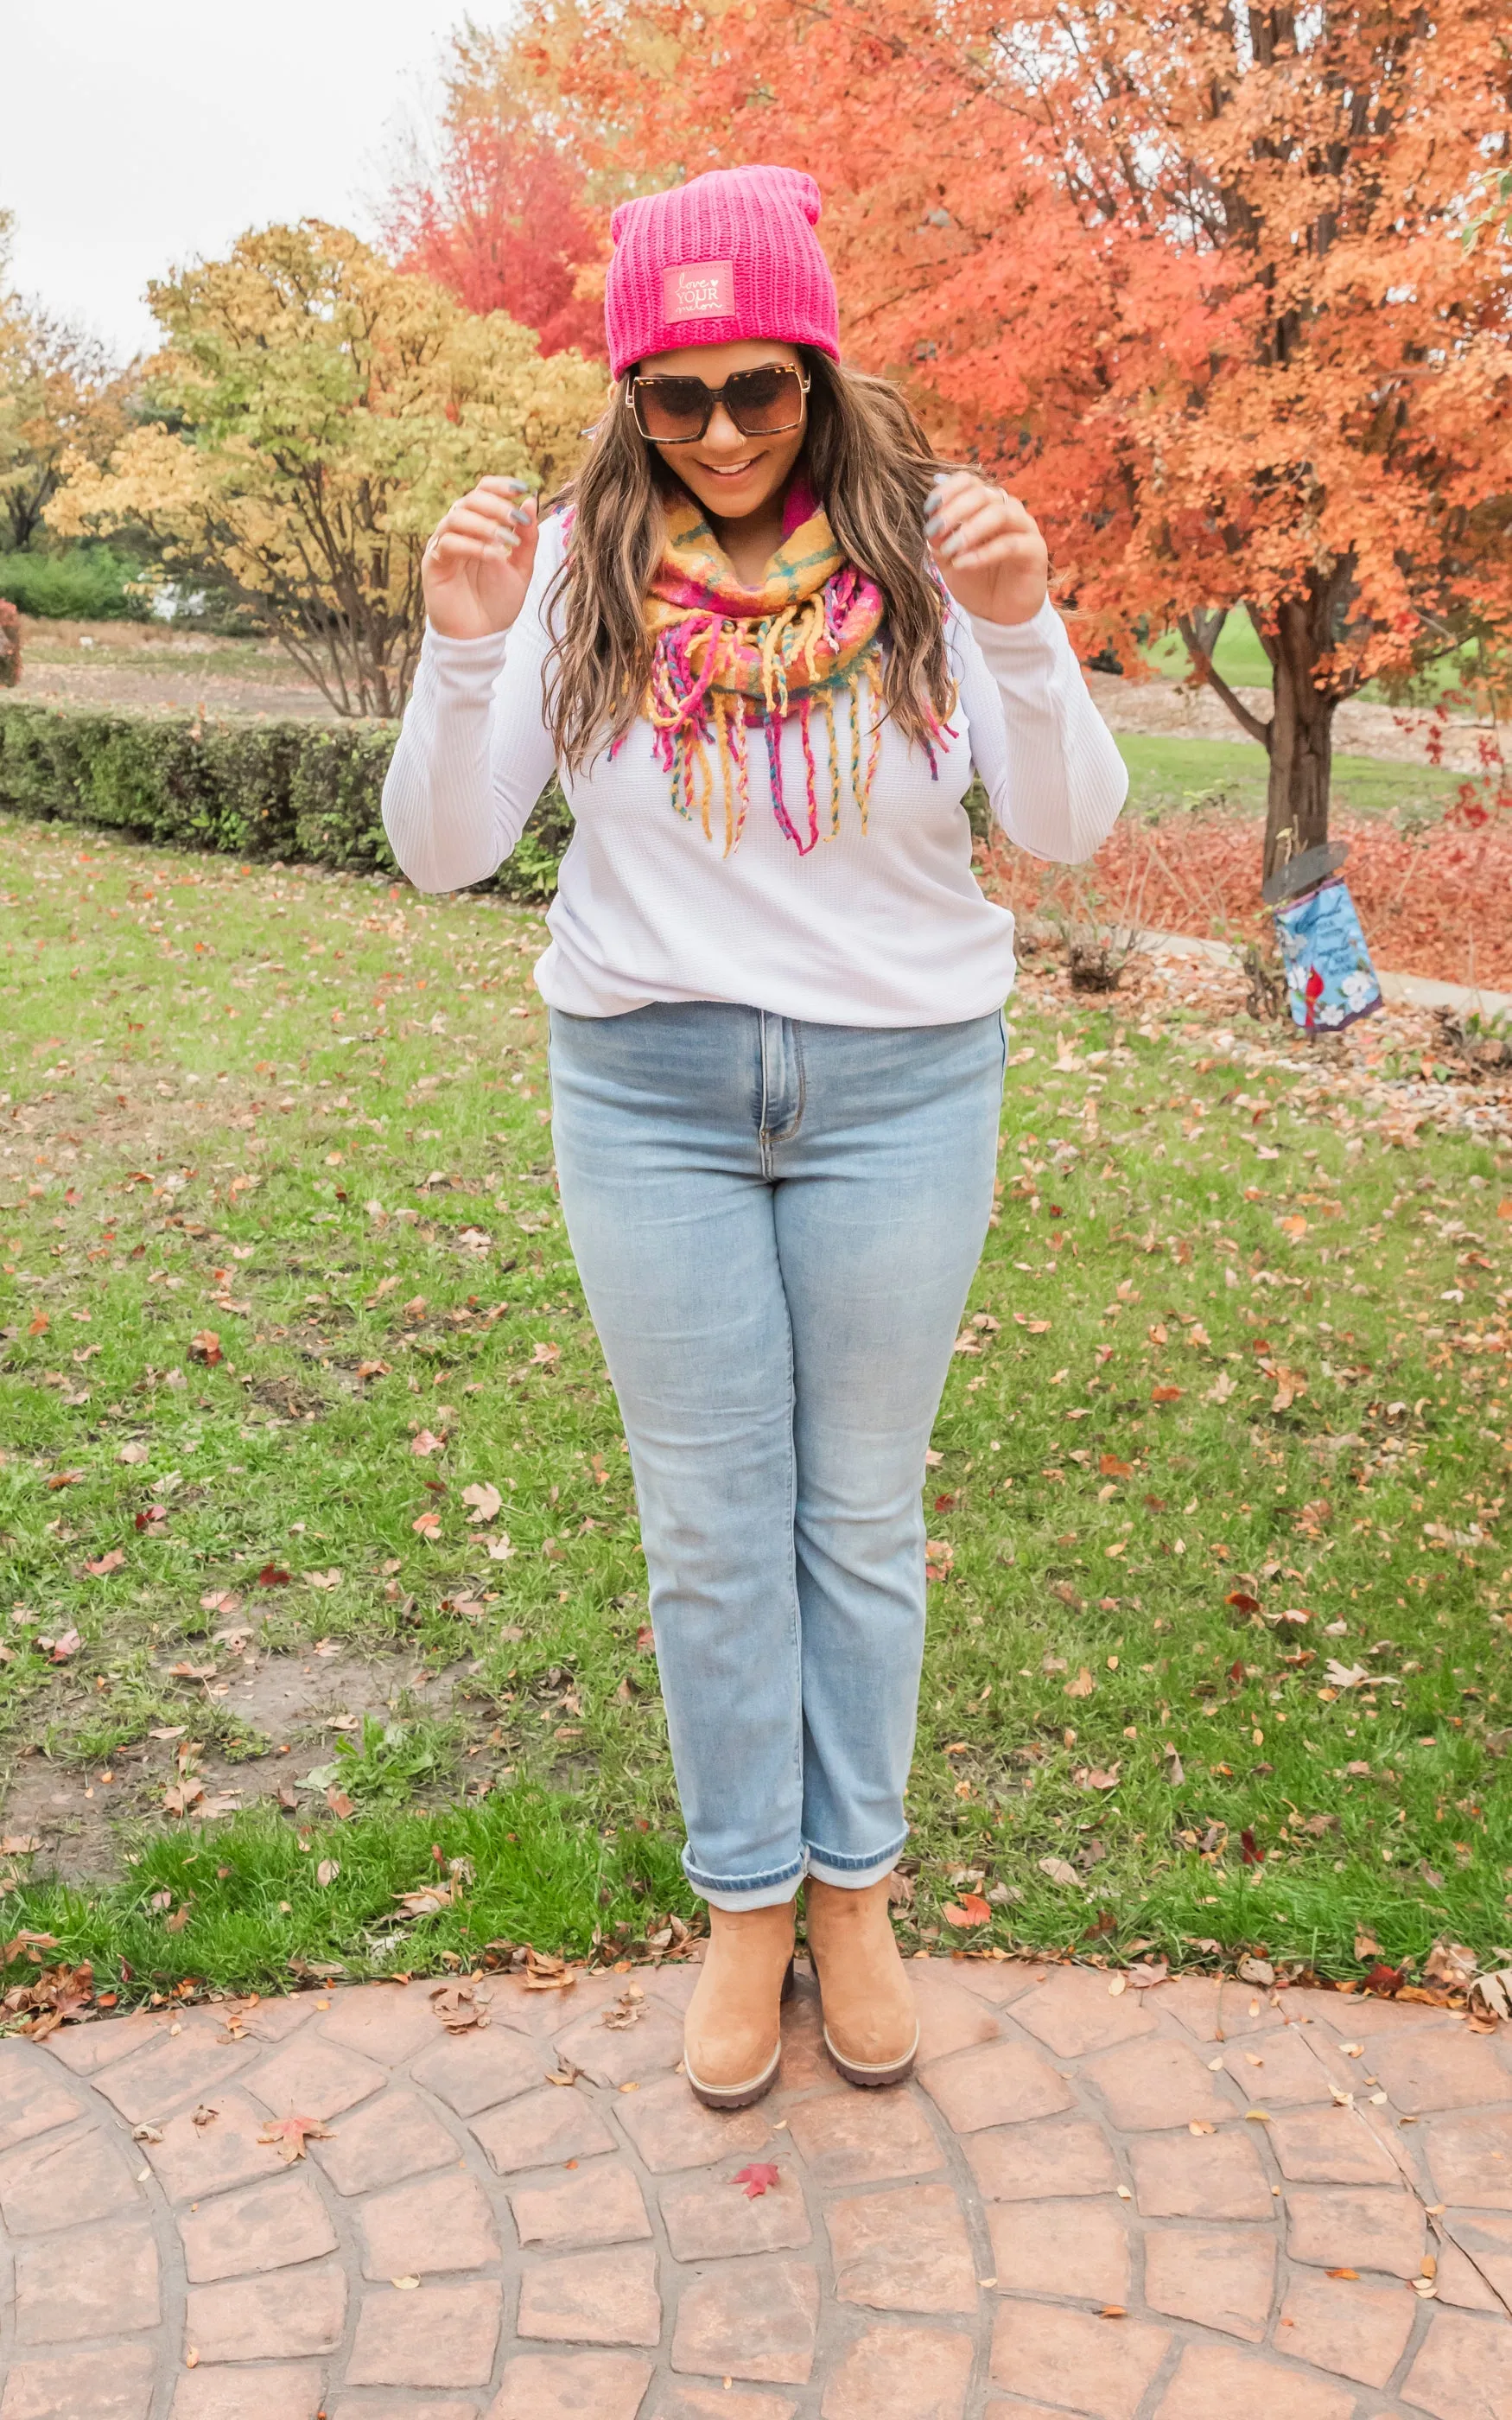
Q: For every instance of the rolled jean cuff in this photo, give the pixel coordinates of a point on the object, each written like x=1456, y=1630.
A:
x=735, y=1893
x=855, y=1873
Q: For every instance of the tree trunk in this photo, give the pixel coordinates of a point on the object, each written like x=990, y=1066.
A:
x=1301, y=736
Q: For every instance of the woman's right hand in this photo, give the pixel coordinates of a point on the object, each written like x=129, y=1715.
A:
x=478, y=565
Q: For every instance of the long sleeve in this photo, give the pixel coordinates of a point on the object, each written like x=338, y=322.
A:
x=1052, y=771
x=474, y=752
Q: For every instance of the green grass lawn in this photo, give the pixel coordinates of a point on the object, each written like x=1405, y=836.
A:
x=286, y=1279
x=1201, y=775
x=1241, y=660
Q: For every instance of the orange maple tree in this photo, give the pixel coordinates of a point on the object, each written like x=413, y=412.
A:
x=1222, y=293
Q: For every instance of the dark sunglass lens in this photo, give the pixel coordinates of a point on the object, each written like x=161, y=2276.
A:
x=760, y=400
x=672, y=409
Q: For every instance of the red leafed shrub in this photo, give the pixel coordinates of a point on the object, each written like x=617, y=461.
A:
x=9, y=645
x=1436, y=901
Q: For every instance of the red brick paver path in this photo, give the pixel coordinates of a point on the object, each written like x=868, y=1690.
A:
x=1196, y=2202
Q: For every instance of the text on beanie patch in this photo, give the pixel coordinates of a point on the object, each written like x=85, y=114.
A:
x=705, y=290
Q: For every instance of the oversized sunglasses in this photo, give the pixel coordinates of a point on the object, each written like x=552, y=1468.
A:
x=677, y=411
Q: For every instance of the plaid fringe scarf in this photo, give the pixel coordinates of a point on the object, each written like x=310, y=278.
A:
x=727, y=660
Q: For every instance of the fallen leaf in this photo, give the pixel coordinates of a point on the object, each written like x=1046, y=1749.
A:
x=405, y=2285
x=1166, y=1394
x=1490, y=1994
x=1175, y=1770
x=1083, y=1684
x=206, y=1347
x=429, y=1901
x=500, y=1548
x=1384, y=1980
x=58, y=1651
x=1451, y=1964
x=326, y=1871
x=971, y=1910
x=108, y=1563
x=204, y=2116
x=1365, y=1943
x=425, y=1443
x=1059, y=1871
x=18, y=1844
x=1111, y=1467
x=1352, y=2274
x=372, y=1369
x=290, y=2135
x=270, y=1576
x=429, y=1524
x=485, y=1501
x=459, y=2008
x=1344, y=1675
x=758, y=2178
x=133, y=1451
x=1095, y=1777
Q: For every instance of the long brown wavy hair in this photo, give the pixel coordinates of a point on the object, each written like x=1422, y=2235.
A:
x=871, y=467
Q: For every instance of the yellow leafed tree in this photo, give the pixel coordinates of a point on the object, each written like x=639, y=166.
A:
x=59, y=395
x=313, y=412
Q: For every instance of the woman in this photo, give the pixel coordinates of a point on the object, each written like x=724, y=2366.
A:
x=765, y=644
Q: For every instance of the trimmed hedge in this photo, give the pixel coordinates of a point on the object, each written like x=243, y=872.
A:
x=295, y=790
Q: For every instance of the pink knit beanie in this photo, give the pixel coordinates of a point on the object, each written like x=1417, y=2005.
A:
x=733, y=253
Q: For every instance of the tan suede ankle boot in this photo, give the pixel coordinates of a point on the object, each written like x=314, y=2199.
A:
x=732, y=2035
x=870, y=2024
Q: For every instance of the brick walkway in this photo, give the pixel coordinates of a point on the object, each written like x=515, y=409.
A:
x=1069, y=2213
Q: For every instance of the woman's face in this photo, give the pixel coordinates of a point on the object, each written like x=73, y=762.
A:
x=730, y=475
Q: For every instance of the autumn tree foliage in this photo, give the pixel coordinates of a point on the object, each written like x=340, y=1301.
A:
x=311, y=414
x=60, y=394
x=494, y=206
x=1191, y=277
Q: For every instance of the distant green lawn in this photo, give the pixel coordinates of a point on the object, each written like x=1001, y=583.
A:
x=1203, y=775
x=1241, y=660
x=1234, y=1347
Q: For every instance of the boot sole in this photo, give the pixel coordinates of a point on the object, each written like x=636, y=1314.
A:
x=870, y=2078
x=740, y=2096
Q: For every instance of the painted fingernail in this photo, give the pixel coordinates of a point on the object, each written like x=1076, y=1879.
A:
x=518, y=486
x=950, y=547
x=518, y=513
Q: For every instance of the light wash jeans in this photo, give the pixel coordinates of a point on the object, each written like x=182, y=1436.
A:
x=776, y=1224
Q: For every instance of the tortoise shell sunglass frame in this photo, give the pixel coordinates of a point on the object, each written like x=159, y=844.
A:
x=762, y=402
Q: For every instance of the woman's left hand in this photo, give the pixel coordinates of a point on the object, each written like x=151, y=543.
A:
x=988, y=549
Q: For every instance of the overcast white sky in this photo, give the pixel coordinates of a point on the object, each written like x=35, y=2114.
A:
x=138, y=133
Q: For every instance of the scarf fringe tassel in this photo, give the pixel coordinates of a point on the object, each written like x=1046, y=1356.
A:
x=702, y=729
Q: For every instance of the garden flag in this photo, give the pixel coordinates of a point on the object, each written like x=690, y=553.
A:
x=1330, y=979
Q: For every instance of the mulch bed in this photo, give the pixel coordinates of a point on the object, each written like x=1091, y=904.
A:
x=1435, y=903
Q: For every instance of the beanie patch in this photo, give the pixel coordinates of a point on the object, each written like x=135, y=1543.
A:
x=701, y=290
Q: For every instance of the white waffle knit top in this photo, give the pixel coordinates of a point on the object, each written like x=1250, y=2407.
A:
x=884, y=927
